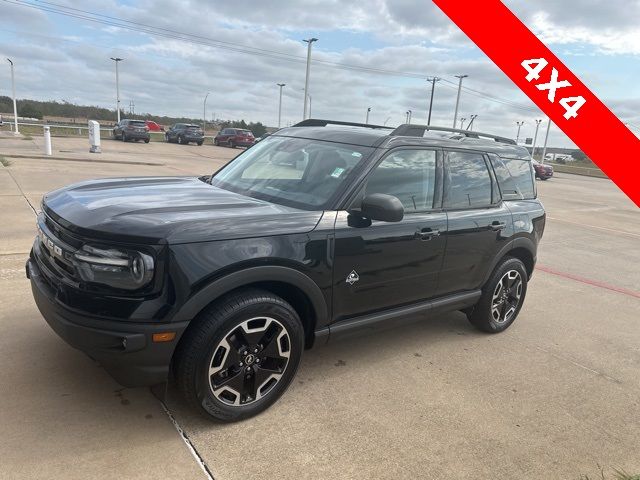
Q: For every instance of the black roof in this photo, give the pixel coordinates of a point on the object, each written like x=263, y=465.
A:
x=405, y=135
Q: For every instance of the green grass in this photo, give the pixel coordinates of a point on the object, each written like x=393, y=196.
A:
x=27, y=137
x=5, y=162
x=617, y=475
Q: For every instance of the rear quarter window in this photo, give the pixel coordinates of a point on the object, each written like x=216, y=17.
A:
x=515, y=177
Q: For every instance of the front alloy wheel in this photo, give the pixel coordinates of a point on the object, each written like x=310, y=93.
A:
x=239, y=355
x=249, y=361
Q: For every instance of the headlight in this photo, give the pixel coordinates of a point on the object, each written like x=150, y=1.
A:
x=123, y=269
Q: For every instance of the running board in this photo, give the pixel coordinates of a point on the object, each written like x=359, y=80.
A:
x=406, y=314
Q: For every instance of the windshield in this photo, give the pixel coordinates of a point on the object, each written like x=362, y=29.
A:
x=297, y=172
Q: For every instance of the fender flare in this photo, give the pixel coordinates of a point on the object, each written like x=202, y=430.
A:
x=197, y=302
x=520, y=242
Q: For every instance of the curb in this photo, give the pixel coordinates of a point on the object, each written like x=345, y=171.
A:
x=71, y=159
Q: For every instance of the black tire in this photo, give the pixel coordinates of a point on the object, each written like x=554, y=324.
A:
x=124, y=137
x=146, y=140
x=202, y=348
x=231, y=144
x=199, y=144
x=180, y=140
x=215, y=142
x=502, y=297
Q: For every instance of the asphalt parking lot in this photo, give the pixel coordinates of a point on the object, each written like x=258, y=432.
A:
x=553, y=397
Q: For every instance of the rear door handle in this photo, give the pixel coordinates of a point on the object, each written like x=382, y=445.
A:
x=497, y=226
x=427, y=234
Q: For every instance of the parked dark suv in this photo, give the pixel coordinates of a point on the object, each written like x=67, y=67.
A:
x=320, y=230
x=135, y=130
x=184, y=133
x=234, y=137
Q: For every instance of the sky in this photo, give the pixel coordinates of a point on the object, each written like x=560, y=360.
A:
x=376, y=54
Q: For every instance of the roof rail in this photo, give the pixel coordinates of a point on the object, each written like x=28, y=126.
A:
x=313, y=122
x=409, y=130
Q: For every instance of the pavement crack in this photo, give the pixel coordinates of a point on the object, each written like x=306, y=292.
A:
x=22, y=192
x=190, y=446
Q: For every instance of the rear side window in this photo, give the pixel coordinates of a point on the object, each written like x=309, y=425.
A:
x=522, y=174
x=467, y=182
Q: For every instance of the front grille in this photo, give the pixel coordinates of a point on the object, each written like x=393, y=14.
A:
x=56, y=249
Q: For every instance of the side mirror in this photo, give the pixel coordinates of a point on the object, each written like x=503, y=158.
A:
x=385, y=208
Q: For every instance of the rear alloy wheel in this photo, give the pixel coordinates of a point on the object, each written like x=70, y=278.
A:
x=240, y=355
x=502, y=297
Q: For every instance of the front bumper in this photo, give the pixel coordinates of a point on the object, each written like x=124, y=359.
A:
x=125, y=350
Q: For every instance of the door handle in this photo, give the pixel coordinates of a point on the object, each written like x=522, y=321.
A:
x=427, y=234
x=495, y=226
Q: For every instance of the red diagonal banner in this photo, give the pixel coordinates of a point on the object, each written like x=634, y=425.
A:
x=552, y=87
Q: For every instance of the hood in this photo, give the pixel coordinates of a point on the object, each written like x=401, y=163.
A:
x=169, y=210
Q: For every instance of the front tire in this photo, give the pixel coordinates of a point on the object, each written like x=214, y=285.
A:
x=502, y=297
x=240, y=355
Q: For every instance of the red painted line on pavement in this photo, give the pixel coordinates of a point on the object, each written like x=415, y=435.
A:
x=588, y=281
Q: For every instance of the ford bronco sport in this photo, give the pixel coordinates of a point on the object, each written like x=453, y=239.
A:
x=323, y=228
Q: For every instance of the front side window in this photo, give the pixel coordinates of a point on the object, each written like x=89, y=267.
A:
x=297, y=172
x=408, y=175
x=467, y=182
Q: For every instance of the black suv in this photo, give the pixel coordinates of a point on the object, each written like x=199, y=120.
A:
x=127, y=130
x=184, y=133
x=317, y=231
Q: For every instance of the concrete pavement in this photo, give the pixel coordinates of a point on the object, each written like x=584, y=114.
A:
x=552, y=397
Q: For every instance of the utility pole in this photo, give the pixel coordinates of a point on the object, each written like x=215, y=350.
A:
x=433, y=81
x=204, y=113
x=117, y=60
x=280, y=103
x=546, y=138
x=470, y=126
x=132, y=107
x=367, y=119
x=535, y=138
x=15, y=106
x=306, y=79
x=455, y=114
x=518, y=135
x=408, y=116
x=462, y=120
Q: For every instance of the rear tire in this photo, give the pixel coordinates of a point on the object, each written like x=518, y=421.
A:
x=231, y=144
x=146, y=140
x=199, y=144
x=502, y=297
x=239, y=355
x=180, y=140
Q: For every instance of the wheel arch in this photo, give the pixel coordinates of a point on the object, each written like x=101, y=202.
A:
x=521, y=248
x=296, y=288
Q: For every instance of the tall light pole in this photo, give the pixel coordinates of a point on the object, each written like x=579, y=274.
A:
x=306, y=79
x=433, y=81
x=280, y=103
x=408, y=113
x=519, y=127
x=13, y=91
x=117, y=60
x=546, y=139
x=204, y=113
x=455, y=113
x=535, y=138
x=367, y=119
x=462, y=120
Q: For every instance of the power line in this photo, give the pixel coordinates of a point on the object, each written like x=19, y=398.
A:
x=138, y=27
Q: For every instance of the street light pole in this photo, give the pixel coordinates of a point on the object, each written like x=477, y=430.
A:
x=455, y=114
x=535, y=138
x=204, y=113
x=546, y=138
x=518, y=135
x=117, y=60
x=280, y=103
x=462, y=120
x=433, y=81
x=15, y=107
x=470, y=126
x=306, y=79
x=367, y=119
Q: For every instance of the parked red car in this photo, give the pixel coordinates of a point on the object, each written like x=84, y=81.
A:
x=234, y=137
x=543, y=172
x=153, y=126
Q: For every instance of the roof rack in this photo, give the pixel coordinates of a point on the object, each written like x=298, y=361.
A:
x=409, y=130
x=313, y=122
